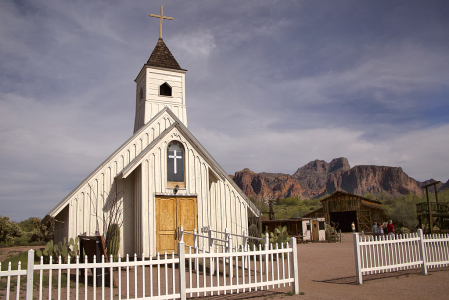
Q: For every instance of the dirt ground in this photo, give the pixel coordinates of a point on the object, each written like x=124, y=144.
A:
x=11, y=251
x=327, y=271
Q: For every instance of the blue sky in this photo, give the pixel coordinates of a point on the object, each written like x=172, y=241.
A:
x=271, y=85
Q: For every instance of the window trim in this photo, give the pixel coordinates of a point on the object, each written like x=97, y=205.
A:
x=171, y=90
x=181, y=184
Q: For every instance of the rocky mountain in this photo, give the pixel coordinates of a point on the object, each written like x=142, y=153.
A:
x=318, y=177
x=444, y=186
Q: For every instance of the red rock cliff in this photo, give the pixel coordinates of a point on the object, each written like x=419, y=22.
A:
x=319, y=177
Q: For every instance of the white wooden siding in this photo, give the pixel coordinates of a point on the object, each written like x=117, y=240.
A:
x=220, y=205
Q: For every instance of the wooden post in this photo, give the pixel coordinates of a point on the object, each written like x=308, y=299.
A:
x=422, y=250
x=294, y=262
x=436, y=200
x=182, y=270
x=358, y=265
x=430, y=211
x=30, y=269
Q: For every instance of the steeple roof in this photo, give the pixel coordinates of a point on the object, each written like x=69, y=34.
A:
x=162, y=57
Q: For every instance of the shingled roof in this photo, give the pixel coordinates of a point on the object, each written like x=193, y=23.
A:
x=162, y=57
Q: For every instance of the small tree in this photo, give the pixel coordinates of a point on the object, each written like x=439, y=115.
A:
x=42, y=232
x=8, y=231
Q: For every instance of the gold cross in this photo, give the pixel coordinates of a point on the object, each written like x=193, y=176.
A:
x=161, y=17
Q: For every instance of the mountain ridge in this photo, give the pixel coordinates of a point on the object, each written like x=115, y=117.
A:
x=317, y=178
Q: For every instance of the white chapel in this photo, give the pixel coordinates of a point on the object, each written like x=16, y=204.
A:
x=160, y=179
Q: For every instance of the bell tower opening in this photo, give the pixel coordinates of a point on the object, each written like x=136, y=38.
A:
x=165, y=90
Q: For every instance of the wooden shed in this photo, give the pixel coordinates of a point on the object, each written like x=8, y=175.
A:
x=305, y=229
x=344, y=208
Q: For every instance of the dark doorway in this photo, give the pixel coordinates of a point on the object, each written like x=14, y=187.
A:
x=344, y=220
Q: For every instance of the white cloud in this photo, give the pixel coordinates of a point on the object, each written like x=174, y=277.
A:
x=421, y=153
x=269, y=87
x=199, y=43
x=398, y=69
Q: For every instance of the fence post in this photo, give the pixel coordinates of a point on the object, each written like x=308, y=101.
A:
x=422, y=250
x=182, y=234
x=358, y=265
x=245, y=248
x=267, y=247
x=182, y=270
x=231, y=269
x=294, y=262
x=211, y=238
x=226, y=234
x=195, y=246
x=211, y=249
x=30, y=270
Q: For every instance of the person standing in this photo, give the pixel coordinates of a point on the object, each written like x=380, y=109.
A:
x=375, y=230
x=390, y=228
x=353, y=227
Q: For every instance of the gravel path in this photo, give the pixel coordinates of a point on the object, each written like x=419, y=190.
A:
x=327, y=271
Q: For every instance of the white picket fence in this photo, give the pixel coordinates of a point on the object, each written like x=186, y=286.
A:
x=401, y=252
x=192, y=273
x=224, y=243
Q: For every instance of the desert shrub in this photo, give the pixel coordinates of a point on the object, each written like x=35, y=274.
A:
x=404, y=230
x=370, y=196
x=9, y=230
x=42, y=233
x=113, y=240
x=279, y=236
x=289, y=201
x=402, y=211
x=62, y=249
x=27, y=225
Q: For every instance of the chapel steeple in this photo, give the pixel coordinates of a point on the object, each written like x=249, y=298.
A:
x=160, y=84
x=162, y=57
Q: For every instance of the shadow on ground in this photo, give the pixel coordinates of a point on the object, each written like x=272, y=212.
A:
x=371, y=277
x=242, y=296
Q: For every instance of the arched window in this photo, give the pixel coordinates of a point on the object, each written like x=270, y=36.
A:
x=175, y=164
x=165, y=90
x=141, y=94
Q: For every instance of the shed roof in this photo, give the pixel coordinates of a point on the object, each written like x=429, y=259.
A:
x=348, y=194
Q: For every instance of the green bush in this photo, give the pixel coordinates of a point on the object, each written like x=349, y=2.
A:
x=61, y=249
x=289, y=201
x=42, y=233
x=279, y=236
x=402, y=211
x=8, y=231
x=404, y=230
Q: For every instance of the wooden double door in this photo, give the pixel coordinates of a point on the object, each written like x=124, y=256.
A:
x=172, y=212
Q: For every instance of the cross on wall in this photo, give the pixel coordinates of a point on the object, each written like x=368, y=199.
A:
x=175, y=157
